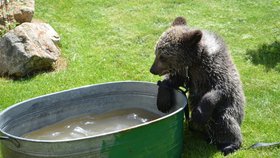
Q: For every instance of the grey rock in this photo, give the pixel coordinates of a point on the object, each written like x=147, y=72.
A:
x=28, y=48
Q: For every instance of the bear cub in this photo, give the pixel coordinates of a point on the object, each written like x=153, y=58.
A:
x=201, y=60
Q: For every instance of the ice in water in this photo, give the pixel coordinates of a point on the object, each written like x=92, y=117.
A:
x=90, y=125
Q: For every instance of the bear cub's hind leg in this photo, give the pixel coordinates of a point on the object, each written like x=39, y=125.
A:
x=227, y=134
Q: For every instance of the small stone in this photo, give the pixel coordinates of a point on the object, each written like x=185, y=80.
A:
x=24, y=10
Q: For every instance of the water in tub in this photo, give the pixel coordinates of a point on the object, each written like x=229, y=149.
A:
x=90, y=125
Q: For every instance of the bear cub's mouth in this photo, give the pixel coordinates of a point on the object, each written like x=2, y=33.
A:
x=167, y=73
x=164, y=73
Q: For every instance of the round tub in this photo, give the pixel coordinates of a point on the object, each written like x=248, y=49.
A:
x=162, y=137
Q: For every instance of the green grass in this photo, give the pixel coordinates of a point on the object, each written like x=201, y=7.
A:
x=106, y=41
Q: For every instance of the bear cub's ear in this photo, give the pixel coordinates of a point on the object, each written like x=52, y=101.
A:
x=192, y=38
x=179, y=21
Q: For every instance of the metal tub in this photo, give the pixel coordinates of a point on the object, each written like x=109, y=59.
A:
x=162, y=137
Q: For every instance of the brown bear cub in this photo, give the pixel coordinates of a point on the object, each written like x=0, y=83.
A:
x=200, y=60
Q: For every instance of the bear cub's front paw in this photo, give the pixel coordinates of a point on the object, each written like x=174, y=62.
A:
x=164, y=97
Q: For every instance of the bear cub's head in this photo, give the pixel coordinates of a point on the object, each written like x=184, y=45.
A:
x=176, y=48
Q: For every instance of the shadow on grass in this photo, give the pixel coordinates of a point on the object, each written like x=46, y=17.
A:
x=267, y=55
x=195, y=146
x=60, y=64
x=27, y=77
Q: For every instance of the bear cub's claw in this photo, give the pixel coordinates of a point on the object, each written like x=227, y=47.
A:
x=228, y=148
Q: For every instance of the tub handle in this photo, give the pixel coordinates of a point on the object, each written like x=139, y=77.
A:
x=13, y=141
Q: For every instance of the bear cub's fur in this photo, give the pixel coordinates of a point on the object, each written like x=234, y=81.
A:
x=216, y=98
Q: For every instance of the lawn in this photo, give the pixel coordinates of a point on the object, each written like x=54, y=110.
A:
x=104, y=41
